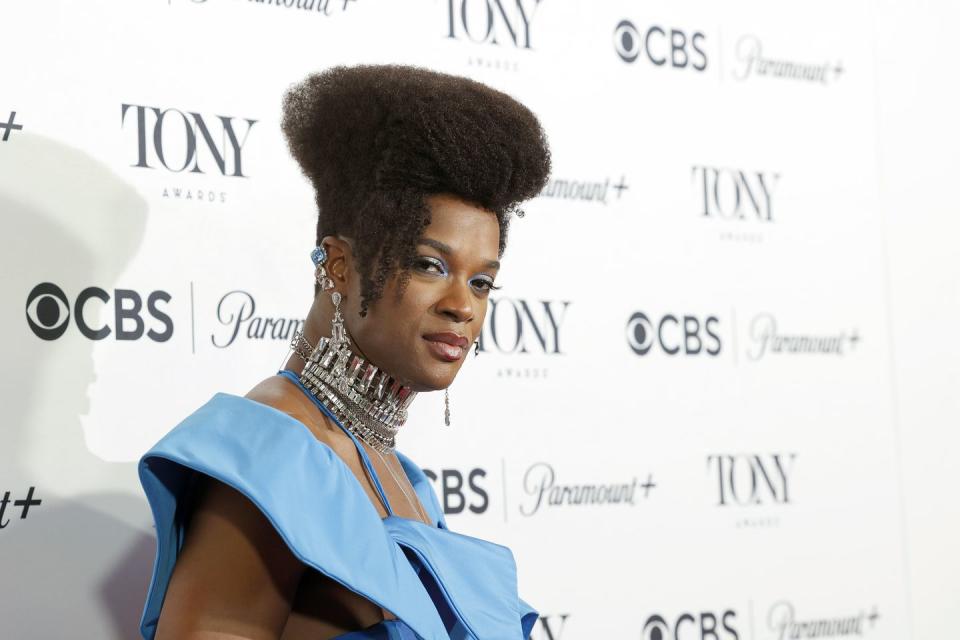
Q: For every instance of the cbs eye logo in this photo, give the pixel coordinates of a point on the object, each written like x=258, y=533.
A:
x=660, y=45
x=48, y=313
x=656, y=628
x=704, y=625
x=675, y=335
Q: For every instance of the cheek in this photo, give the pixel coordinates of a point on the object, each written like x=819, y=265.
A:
x=482, y=306
x=417, y=300
x=394, y=319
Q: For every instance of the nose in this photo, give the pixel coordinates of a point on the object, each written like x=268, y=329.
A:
x=456, y=302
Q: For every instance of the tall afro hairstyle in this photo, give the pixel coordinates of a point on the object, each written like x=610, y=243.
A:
x=376, y=140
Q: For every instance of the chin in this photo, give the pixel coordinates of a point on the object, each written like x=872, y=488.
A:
x=433, y=377
x=425, y=372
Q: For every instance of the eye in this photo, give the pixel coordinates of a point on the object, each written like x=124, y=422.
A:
x=485, y=284
x=430, y=265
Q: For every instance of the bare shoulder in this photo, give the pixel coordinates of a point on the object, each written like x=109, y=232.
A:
x=283, y=395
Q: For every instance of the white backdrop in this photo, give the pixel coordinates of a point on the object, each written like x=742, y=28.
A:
x=718, y=316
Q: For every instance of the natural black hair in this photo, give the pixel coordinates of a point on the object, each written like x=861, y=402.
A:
x=375, y=140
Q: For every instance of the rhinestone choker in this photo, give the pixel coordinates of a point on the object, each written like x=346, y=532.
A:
x=367, y=401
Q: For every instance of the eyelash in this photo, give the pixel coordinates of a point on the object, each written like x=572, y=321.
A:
x=424, y=261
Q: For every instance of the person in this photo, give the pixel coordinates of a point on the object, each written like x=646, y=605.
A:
x=289, y=512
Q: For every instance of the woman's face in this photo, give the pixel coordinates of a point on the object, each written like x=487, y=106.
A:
x=423, y=337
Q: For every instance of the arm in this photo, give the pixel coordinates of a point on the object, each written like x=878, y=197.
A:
x=235, y=578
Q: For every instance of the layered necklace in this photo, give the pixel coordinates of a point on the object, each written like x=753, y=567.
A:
x=369, y=402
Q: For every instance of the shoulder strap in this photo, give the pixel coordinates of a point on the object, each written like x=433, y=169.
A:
x=363, y=453
x=421, y=484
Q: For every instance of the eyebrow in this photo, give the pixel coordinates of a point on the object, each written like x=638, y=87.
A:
x=447, y=251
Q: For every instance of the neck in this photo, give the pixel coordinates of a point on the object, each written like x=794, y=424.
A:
x=367, y=401
x=316, y=326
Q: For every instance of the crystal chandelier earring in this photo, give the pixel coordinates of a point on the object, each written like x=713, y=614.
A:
x=339, y=345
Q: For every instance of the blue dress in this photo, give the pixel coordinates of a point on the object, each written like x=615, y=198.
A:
x=440, y=584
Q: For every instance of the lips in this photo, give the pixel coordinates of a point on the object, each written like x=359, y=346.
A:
x=448, y=337
x=447, y=346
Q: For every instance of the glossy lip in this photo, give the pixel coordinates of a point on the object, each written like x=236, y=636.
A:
x=447, y=346
x=448, y=337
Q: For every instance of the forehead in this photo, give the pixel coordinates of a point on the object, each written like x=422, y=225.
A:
x=468, y=229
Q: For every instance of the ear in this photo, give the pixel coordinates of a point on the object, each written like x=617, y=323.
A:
x=340, y=261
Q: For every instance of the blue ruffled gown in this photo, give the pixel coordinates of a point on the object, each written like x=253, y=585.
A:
x=440, y=584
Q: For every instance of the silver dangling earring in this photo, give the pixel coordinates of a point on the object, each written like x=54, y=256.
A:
x=339, y=345
x=338, y=333
x=446, y=408
x=446, y=392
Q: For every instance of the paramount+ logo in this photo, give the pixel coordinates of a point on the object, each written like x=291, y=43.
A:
x=49, y=311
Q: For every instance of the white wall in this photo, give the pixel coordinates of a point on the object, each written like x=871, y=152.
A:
x=918, y=101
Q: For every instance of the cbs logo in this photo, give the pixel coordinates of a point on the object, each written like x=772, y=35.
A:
x=681, y=50
x=454, y=494
x=689, y=626
x=687, y=334
x=49, y=310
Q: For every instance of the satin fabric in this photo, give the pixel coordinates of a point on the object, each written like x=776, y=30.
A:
x=439, y=584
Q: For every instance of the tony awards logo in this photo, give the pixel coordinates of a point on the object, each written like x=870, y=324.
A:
x=492, y=22
x=188, y=143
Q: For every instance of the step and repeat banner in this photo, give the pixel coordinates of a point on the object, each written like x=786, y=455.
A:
x=680, y=419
